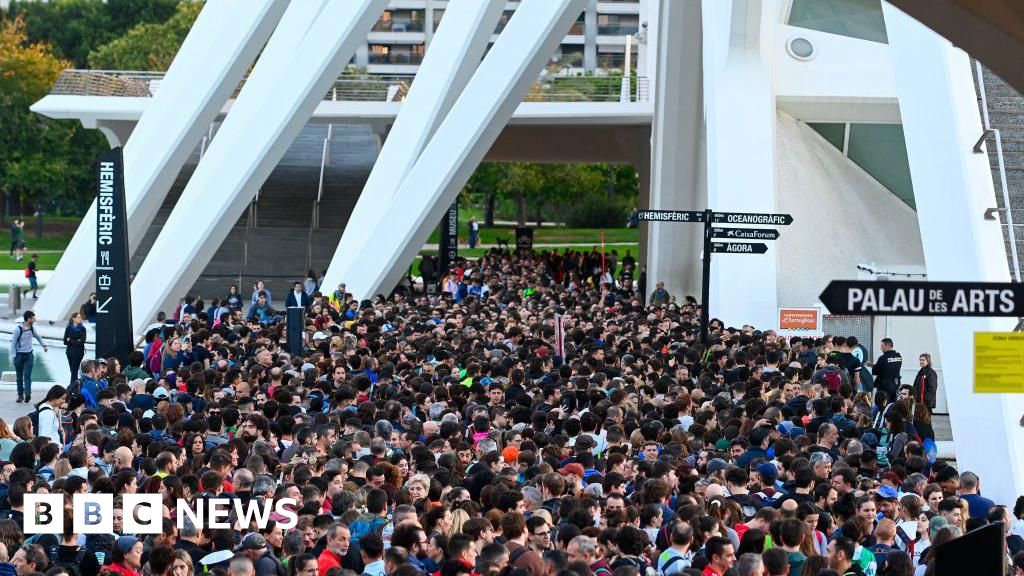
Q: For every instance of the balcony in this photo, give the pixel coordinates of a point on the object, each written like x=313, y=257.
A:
x=398, y=26
x=363, y=87
x=394, y=57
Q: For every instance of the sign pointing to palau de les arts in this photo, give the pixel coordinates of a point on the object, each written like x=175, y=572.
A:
x=918, y=298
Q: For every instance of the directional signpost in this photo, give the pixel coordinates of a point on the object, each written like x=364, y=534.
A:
x=709, y=218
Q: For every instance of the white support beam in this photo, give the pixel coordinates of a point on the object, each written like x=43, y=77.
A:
x=460, y=143
x=953, y=188
x=302, y=60
x=740, y=113
x=454, y=55
x=218, y=50
x=671, y=251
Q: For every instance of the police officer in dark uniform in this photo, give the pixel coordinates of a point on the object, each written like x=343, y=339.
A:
x=887, y=369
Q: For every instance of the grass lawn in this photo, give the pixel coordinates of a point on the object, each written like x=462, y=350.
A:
x=553, y=235
x=59, y=242
x=47, y=261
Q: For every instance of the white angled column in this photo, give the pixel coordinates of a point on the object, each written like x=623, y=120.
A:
x=739, y=109
x=294, y=72
x=451, y=59
x=463, y=138
x=218, y=50
x=672, y=250
x=952, y=189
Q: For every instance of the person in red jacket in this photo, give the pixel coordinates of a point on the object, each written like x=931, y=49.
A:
x=126, y=556
x=338, y=540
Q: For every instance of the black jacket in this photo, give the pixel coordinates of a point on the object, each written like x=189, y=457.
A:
x=925, y=385
x=75, y=339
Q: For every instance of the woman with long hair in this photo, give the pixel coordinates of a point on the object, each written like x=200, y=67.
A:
x=50, y=416
x=75, y=335
x=926, y=383
x=182, y=565
x=8, y=440
x=303, y=565
x=23, y=428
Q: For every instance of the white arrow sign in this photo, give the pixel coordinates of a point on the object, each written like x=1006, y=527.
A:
x=102, y=308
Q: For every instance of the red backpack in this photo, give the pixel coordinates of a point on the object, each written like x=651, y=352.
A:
x=833, y=381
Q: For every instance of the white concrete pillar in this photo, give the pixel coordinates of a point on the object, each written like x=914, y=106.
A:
x=672, y=250
x=300, y=63
x=217, y=52
x=463, y=138
x=739, y=107
x=952, y=189
x=454, y=55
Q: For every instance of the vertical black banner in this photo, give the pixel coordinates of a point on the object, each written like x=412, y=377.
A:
x=524, y=239
x=113, y=289
x=449, y=239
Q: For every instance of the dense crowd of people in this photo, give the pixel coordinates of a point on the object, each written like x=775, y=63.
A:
x=532, y=418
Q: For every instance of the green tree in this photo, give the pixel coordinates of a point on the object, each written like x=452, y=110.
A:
x=74, y=28
x=148, y=46
x=42, y=158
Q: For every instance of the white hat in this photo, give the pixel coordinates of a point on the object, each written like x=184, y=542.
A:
x=161, y=392
x=321, y=336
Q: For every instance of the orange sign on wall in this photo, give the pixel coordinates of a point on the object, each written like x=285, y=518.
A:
x=805, y=321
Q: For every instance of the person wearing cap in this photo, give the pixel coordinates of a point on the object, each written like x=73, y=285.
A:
x=126, y=556
x=254, y=545
x=886, y=501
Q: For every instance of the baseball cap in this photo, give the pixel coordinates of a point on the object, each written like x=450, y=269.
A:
x=869, y=440
x=161, y=392
x=768, y=471
x=717, y=464
x=320, y=336
x=887, y=493
x=252, y=541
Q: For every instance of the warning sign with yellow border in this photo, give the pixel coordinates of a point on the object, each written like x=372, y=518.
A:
x=999, y=362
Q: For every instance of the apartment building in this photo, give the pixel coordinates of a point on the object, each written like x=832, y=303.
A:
x=595, y=44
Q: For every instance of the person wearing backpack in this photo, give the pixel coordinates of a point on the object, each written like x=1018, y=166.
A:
x=71, y=557
x=46, y=420
x=22, y=356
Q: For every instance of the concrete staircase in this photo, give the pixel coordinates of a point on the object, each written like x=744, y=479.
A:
x=1006, y=114
x=274, y=240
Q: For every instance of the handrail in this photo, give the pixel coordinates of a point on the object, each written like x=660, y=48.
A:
x=359, y=88
x=1004, y=187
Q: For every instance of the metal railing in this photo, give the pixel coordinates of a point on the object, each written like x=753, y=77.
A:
x=1003, y=186
x=360, y=88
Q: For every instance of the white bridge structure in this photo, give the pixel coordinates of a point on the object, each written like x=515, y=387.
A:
x=853, y=117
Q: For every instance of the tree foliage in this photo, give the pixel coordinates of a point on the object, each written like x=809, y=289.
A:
x=148, y=46
x=74, y=28
x=599, y=194
x=43, y=158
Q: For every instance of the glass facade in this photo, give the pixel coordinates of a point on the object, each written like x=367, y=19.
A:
x=879, y=149
x=854, y=18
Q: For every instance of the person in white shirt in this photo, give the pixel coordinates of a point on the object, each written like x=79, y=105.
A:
x=50, y=414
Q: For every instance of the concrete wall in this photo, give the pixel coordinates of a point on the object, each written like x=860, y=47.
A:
x=842, y=216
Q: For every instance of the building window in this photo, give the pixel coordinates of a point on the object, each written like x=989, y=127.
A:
x=396, y=53
x=854, y=18
x=879, y=149
x=400, y=21
x=617, y=24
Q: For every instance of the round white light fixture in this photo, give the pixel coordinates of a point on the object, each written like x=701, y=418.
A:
x=800, y=48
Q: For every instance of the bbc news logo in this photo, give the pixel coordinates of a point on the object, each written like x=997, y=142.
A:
x=143, y=513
